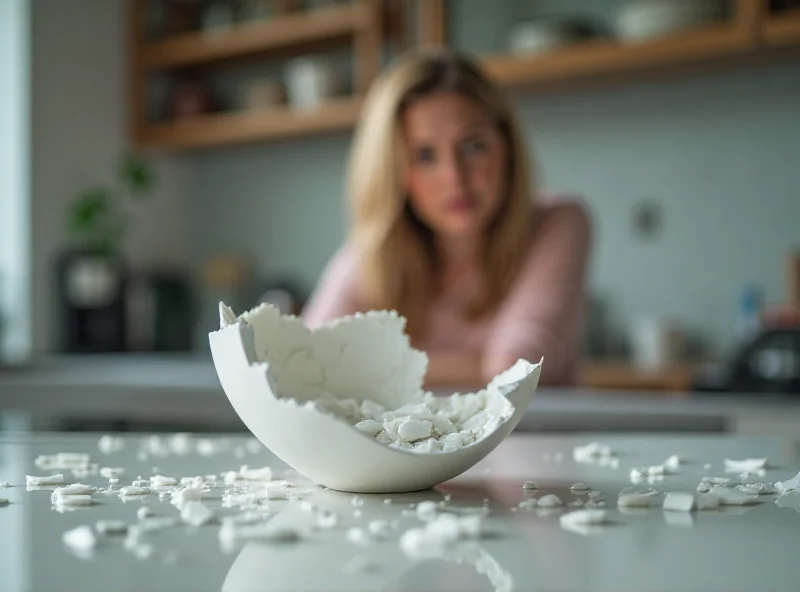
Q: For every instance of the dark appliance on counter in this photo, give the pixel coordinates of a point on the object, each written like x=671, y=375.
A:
x=161, y=312
x=91, y=291
x=768, y=365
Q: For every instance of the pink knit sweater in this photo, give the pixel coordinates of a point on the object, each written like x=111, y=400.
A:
x=540, y=317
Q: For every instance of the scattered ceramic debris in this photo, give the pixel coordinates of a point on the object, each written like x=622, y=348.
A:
x=733, y=497
x=748, y=465
x=159, y=481
x=789, y=485
x=529, y=486
x=144, y=512
x=679, y=501
x=757, y=488
x=72, y=489
x=578, y=487
x=181, y=496
x=581, y=521
x=111, y=472
x=81, y=540
x=426, y=510
x=635, y=500
x=109, y=527
x=550, y=500
x=196, y=513
x=327, y=519
x=133, y=491
x=595, y=453
x=438, y=535
x=673, y=463
x=40, y=481
x=527, y=504
x=109, y=444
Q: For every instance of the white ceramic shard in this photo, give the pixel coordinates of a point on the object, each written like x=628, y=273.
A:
x=275, y=372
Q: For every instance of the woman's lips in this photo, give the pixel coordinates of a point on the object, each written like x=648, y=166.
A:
x=463, y=203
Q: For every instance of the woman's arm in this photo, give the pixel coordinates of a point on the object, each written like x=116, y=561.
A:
x=455, y=370
x=336, y=293
x=542, y=316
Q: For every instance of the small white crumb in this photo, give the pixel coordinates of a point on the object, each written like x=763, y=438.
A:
x=583, y=517
x=637, y=475
x=596, y=503
x=144, y=512
x=132, y=490
x=530, y=486
x=358, y=536
x=426, y=510
x=81, y=540
x=387, y=501
x=107, y=527
x=550, y=501
x=707, y=466
x=379, y=528
x=724, y=481
x=162, y=481
x=656, y=470
x=38, y=481
x=679, y=501
x=357, y=501
x=327, y=519
x=673, y=463
x=748, y=465
x=111, y=472
x=73, y=500
x=594, y=494
x=527, y=504
x=72, y=489
x=733, y=497
x=703, y=487
x=109, y=444
x=195, y=513
x=578, y=487
x=707, y=501
x=576, y=503
x=635, y=500
x=789, y=485
x=757, y=488
x=186, y=494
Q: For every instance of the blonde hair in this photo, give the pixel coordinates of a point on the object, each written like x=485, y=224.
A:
x=395, y=250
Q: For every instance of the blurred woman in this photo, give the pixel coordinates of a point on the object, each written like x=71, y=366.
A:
x=447, y=229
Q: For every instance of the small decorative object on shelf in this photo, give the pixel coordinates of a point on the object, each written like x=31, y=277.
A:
x=262, y=93
x=310, y=81
x=190, y=99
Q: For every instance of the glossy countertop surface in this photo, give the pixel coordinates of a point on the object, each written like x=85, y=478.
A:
x=751, y=548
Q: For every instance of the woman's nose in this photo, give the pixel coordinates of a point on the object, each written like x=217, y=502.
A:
x=454, y=170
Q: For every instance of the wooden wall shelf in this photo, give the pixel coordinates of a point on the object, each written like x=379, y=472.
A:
x=249, y=126
x=782, y=29
x=322, y=24
x=752, y=32
x=625, y=376
x=598, y=58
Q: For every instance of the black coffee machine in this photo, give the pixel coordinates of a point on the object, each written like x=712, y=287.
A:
x=91, y=299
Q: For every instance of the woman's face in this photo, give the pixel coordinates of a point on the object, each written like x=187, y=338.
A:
x=456, y=164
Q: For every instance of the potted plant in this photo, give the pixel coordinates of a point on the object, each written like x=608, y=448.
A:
x=92, y=274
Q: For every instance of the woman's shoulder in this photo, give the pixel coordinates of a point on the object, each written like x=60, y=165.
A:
x=565, y=212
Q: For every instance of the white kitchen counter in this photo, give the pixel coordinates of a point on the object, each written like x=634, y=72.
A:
x=746, y=549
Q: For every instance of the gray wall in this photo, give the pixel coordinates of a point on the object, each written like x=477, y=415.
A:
x=719, y=153
x=78, y=131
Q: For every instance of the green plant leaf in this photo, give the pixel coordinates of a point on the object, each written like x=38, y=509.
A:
x=137, y=175
x=88, y=211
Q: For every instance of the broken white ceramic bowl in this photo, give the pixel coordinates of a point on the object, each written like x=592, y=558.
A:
x=273, y=369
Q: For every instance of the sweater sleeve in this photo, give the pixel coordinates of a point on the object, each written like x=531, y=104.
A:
x=542, y=315
x=336, y=292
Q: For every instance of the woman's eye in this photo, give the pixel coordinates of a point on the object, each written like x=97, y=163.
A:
x=425, y=155
x=474, y=145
